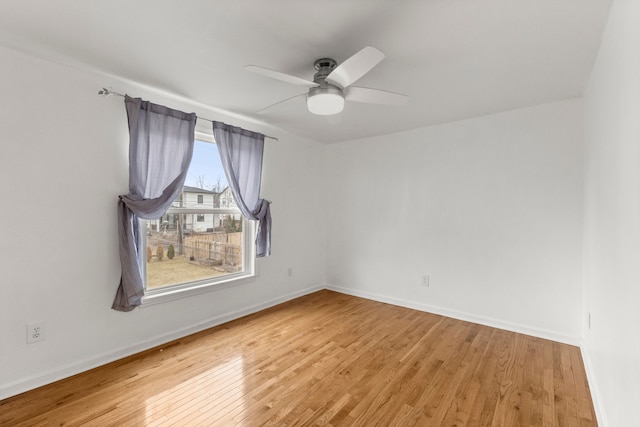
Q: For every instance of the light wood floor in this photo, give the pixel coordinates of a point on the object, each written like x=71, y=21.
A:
x=326, y=359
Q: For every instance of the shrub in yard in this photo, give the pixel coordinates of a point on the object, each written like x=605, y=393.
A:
x=171, y=251
x=149, y=254
x=160, y=252
x=230, y=224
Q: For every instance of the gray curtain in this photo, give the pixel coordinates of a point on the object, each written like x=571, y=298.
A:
x=241, y=154
x=160, y=150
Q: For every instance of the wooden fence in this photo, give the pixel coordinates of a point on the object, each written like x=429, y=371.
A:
x=223, y=249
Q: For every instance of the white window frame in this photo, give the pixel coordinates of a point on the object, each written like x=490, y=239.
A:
x=172, y=292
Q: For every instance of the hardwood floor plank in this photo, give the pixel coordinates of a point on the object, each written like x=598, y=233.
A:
x=326, y=359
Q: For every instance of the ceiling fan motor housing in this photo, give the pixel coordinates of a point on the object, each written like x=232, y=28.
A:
x=324, y=66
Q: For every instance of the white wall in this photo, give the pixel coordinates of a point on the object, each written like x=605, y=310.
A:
x=63, y=161
x=612, y=219
x=488, y=208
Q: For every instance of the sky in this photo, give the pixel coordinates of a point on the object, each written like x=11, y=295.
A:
x=205, y=162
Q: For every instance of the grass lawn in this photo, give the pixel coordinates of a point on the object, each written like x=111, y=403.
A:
x=176, y=270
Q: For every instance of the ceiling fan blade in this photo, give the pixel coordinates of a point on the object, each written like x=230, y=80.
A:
x=287, y=78
x=374, y=96
x=333, y=119
x=355, y=67
x=262, y=111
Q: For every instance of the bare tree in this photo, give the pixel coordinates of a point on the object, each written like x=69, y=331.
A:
x=200, y=183
x=217, y=187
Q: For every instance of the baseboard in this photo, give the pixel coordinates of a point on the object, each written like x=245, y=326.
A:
x=468, y=317
x=593, y=387
x=48, y=377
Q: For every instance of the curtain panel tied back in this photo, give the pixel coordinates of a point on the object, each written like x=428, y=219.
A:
x=161, y=144
x=241, y=153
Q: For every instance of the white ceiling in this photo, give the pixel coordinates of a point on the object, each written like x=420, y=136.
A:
x=455, y=58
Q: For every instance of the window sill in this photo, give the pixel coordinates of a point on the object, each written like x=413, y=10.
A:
x=171, y=293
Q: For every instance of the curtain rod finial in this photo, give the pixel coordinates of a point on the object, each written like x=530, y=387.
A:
x=108, y=92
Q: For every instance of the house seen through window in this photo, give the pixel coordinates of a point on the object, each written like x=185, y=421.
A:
x=202, y=238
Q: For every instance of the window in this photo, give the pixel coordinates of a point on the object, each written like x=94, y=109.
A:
x=195, y=246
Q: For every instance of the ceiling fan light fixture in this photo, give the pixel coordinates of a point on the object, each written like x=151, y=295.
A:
x=325, y=101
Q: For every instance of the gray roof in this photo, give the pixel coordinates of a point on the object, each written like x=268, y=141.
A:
x=189, y=189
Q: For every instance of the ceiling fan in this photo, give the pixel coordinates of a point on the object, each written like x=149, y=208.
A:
x=331, y=84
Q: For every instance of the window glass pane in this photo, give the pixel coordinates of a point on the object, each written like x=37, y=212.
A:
x=200, y=243
x=177, y=253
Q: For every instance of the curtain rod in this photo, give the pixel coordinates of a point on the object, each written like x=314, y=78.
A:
x=108, y=92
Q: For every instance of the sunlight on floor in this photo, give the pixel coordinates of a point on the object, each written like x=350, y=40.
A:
x=219, y=391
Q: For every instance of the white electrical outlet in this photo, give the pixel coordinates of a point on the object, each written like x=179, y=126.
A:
x=425, y=281
x=36, y=332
